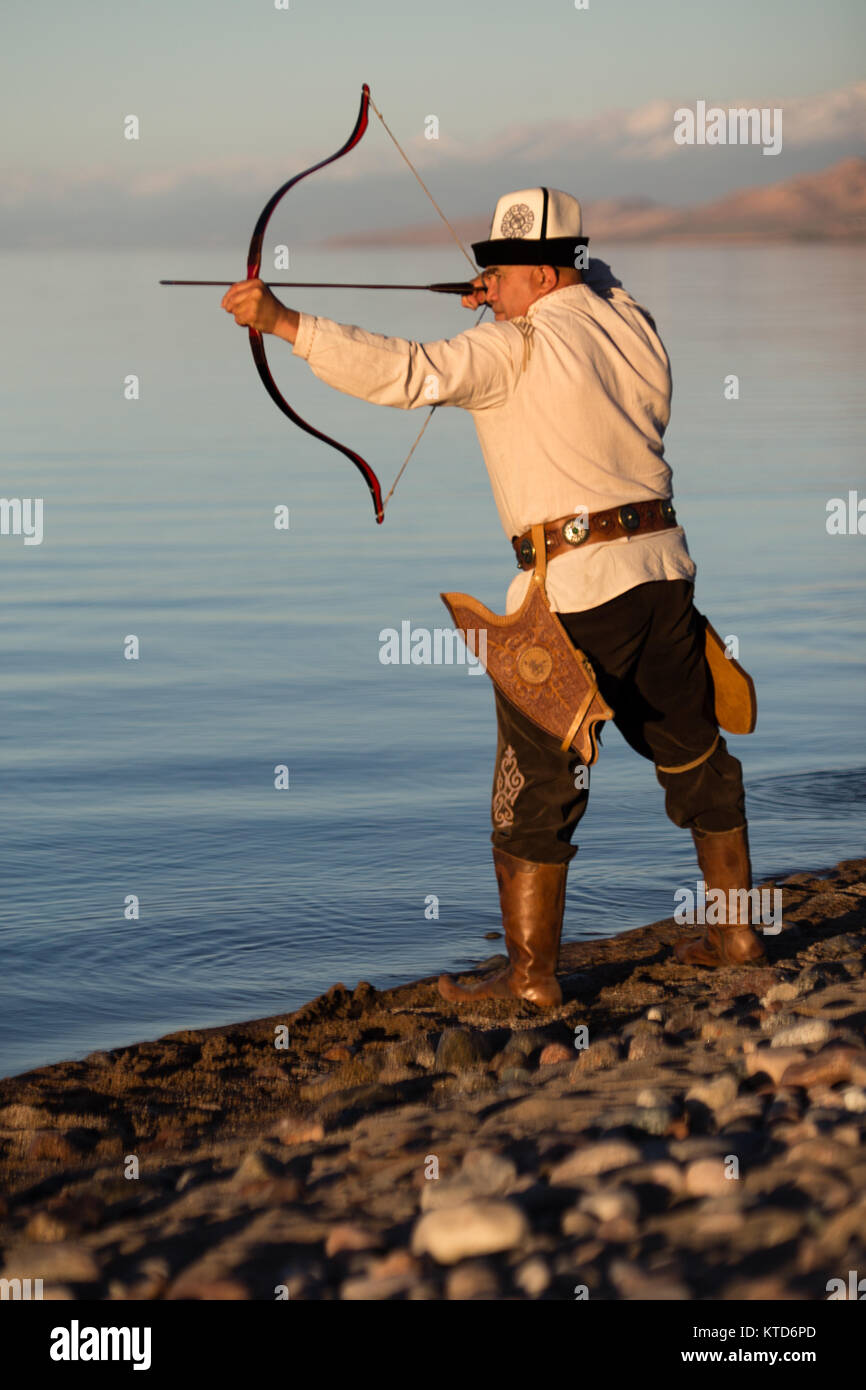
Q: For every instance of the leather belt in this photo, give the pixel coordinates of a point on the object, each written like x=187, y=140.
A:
x=584, y=528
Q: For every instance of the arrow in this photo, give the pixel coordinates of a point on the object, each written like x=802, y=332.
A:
x=447, y=287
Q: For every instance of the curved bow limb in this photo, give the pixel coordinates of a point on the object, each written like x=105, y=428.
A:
x=257, y=347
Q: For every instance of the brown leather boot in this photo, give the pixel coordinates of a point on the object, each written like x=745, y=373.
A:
x=532, y=898
x=724, y=863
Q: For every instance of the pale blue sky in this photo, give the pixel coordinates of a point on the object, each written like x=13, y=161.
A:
x=235, y=90
x=239, y=76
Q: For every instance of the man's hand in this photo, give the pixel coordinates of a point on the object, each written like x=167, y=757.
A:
x=484, y=281
x=253, y=306
x=476, y=299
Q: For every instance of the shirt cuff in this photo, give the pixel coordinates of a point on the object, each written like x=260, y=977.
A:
x=305, y=335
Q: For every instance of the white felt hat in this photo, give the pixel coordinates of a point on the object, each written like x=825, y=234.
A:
x=535, y=226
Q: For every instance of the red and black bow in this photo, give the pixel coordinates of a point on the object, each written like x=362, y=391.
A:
x=257, y=346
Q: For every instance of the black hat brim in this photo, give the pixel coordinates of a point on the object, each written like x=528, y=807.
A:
x=557, y=251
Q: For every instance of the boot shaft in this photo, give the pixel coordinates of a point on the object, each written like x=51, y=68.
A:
x=723, y=858
x=532, y=900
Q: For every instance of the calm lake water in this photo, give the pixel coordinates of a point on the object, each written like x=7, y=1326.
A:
x=261, y=647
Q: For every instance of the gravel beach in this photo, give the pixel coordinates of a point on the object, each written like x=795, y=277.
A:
x=669, y=1133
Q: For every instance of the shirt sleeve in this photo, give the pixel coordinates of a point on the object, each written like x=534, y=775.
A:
x=476, y=370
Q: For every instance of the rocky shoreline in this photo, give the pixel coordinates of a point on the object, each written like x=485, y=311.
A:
x=706, y=1143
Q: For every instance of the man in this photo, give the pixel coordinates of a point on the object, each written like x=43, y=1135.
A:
x=570, y=392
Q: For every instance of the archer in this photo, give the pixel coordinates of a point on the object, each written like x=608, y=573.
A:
x=569, y=389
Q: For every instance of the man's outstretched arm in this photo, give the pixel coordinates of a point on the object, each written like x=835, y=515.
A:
x=476, y=369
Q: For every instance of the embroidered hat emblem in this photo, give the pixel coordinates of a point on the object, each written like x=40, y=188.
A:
x=518, y=220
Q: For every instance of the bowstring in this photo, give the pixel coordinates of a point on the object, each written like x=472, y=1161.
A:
x=433, y=408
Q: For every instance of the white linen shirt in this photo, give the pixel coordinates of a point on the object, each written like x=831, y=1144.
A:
x=570, y=404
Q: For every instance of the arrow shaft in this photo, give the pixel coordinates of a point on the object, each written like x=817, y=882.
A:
x=448, y=287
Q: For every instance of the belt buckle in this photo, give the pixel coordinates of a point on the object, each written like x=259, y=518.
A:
x=576, y=530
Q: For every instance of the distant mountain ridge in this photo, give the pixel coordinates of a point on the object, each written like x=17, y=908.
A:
x=829, y=205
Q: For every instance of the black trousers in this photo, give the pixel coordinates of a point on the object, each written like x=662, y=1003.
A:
x=647, y=649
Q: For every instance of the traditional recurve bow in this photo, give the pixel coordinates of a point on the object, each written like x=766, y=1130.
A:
x=254, y=262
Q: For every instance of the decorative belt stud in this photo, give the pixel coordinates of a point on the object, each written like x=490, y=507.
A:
x=629, y=518
x=525, y=553
x=576, y=530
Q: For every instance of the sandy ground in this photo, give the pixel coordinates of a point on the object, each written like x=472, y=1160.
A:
x=707, y=1143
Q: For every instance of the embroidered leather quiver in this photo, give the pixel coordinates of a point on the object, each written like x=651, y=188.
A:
x=533, y=662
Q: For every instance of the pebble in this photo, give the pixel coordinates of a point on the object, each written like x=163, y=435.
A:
x=299, y=1129
x=258, y=1166
x=699, y=1146
x=446, y=1192
x=490, y=1174
x=207, y=1290
x=660, y=1173
x=718, y=1029
x=714, y=1093
x=459, y=1049
x=655, y=1014
x=718, y=1217
x=706, y=1178
x=533, y=1276
x=396, y=1262
x=847, y=1134
x=366, y=1288
x=514, y=1075
x=529, y=1040
x=782, y=993
x=64, y=1217
x=599, y=1056
x=44, y=1226
x=645, y=1045
x=510, y=1057
x=593, y=1159
x=803, y=1034
x=473, y=1279
x=577, y=1223
x=823, y=1151
x=773, y=1060
x=785, y=1106
x=681, y=1020
x=832, y=1064
x=348, y=1237
x=481, y=1227
x=612, y=1204
x=555, y=1053
x=652, y=1119
x=634, y=1283
x=854, y=1098
x=640, y=1027
x=62, y=1263
x=774, y=1022
x=47, y=1146
x=650, y=1096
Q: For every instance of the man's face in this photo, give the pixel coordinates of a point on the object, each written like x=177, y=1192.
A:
x=512, y=288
